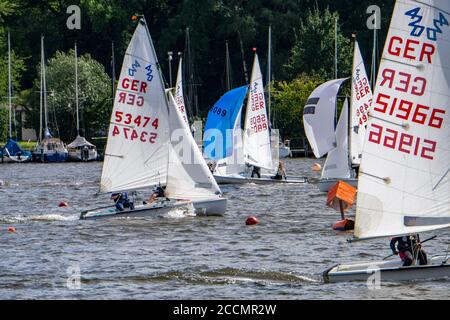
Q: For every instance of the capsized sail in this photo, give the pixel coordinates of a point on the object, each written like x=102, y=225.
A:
x=337, y=163
x=257, y=150
x=188, y=175
x=137, y=149
x=404, y=181
x=318, y=117
x=222, y=137
x=360, y=106
x=179, y=96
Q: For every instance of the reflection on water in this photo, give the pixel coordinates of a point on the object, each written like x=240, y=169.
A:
x=179, y=256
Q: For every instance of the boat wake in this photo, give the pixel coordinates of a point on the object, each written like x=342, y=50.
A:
x=38, y=218
x=182, y=212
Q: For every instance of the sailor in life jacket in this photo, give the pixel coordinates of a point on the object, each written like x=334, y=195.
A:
x=122, y=201
x=409, y=249
x=159, y=193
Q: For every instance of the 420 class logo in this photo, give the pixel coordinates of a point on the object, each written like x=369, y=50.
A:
x=418, y=28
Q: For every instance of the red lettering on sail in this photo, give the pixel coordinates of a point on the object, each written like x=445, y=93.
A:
x=406, y=82
x=411, y=49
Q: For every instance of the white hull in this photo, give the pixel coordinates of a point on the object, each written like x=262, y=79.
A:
x=391, y=271
x=15, y=159
x=213, y=207
x=284, y=152
x=325, y=185
x=78, y=156
x=263, y=180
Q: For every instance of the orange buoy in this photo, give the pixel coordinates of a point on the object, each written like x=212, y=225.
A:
x=344, y=225
x=63, y=204
x=12, y=230
x=316, y=167
x=251, y=221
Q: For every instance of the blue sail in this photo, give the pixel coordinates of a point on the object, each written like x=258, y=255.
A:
x=13, y=149
x=218, y=142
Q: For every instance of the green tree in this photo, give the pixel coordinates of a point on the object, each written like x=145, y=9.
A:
x=289, y=101
x=94, y=96
x=314, y=50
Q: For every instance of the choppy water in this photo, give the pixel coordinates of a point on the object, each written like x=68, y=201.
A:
x=174, y=257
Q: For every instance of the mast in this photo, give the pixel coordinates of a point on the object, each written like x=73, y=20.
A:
x=41, y=89
x=76, y=89
x=44, y=85
x=113, y=71
x=9, y=86
x=374, y=55
x=243, y=58
x=336, y=58
x=269, y=75
x=192, y=86
x=227, y=67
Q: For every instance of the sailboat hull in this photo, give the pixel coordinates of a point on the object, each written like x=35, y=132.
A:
x=325, y=185
x=215, y=207
x=79, y=155
x=390, y=271
x=50, y=157
x=262, y=181
x=15, y=159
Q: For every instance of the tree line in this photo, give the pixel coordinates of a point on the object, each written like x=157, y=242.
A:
x=303, y=46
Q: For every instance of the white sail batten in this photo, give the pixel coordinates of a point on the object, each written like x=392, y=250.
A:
x=337, y=163
x=360, y=106
x=257, y=150
x=137, y=149
x=404, y=182
x=179, y=95
x=318, y=117
x=188, y=175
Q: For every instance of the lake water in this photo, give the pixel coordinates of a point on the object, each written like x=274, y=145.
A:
x=180, y=257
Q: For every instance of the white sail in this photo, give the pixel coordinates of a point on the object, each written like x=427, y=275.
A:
x=137, y=149
x=360, y=106
x=188, y=175
x=404, y=182
x=179, y=96
x=256, y=133
x=318, y=117
x=337, y=163
x=235, y=163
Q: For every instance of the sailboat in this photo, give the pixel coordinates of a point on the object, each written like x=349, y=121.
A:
x=49, y=149
x=12, y=152
x=404, y=180
x=321, y=106
x=253, y=146
x=179, y=95
x=80, y=149
x=150, y=144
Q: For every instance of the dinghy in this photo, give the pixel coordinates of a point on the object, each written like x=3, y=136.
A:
x=49, y=149
x=351, y=136
x=150, y=144
x=236, y=152
x=12, y=152
x=404, y=178
x=80, y=149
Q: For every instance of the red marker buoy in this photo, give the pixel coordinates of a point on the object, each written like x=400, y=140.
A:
x=12, y=230
x=251, y=221
x=63, y=204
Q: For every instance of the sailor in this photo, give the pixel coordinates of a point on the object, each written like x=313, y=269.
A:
x=122, y=201
x=256, y=172
x=281, y=173
x=409, y=250
x=159, y=193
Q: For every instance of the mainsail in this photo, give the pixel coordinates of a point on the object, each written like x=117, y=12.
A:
x=137, y=150
x=179, y=96
x=257, y=150
x=404, y=182
x=360, y=106
x=318, y=117
x=337, y=163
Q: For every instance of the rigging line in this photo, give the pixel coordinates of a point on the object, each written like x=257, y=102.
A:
x=137, y=57
x=431, y=6
x=386, y=180
x=403, y=125
x=442, y=179
x=417, y=66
